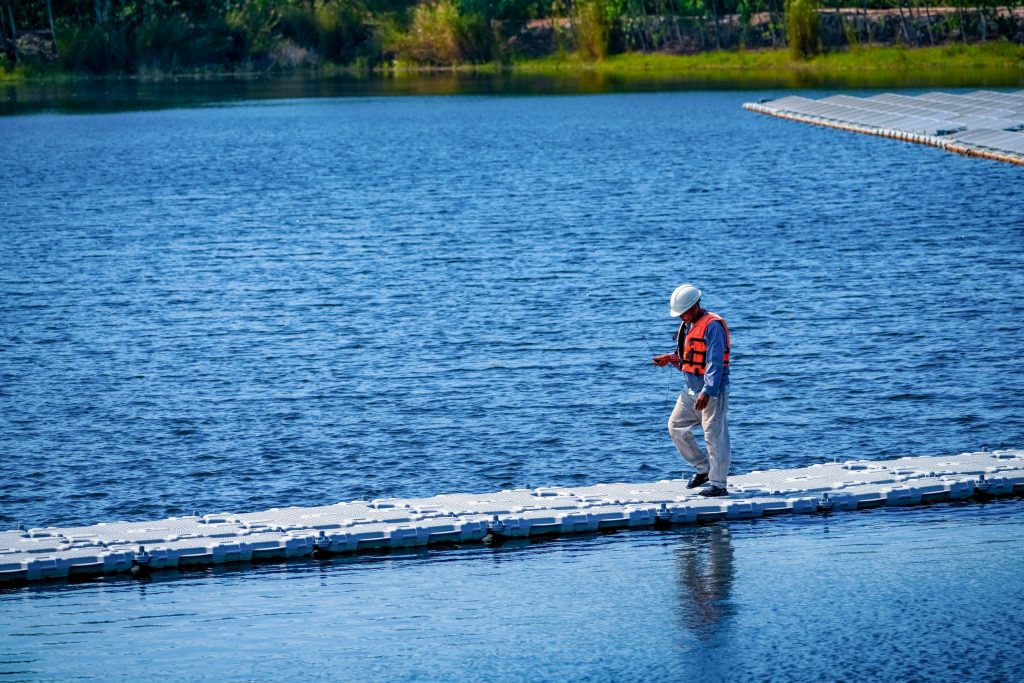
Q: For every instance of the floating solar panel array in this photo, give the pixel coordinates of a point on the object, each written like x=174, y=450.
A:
x=34, y=554
x=983, y=123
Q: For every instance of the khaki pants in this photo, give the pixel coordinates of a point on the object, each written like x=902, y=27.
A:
x=716, y=435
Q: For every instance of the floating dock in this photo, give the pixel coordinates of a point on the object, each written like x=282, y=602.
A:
x=61, y=553
x=983, y=123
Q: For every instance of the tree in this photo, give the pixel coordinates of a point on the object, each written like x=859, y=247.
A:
x=53, y=31
x=14, y=32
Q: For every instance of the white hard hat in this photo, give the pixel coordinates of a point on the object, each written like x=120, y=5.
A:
x=683, y=299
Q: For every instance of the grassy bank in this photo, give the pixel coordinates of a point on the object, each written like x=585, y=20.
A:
x=1005, y=59
x=986, y=56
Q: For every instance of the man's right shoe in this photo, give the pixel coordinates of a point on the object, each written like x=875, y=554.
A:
x=697, y=479
x=714, y=492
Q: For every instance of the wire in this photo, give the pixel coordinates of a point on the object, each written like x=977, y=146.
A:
x=644, y=336
x=668, y=386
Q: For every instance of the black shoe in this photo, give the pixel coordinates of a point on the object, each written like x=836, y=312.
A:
x=714, y=492
x=697, y=479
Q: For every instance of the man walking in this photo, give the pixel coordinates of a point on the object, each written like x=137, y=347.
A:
x=702, y=354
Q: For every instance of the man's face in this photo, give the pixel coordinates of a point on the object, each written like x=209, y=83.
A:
x=690, y=317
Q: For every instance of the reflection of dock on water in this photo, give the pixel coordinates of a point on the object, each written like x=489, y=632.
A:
x=983, y=123
x=466, y=517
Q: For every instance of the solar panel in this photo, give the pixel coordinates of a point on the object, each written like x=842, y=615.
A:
x=989, y=122
x=993, y=139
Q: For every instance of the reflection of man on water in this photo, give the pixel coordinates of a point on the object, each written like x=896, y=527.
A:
x=704, y=562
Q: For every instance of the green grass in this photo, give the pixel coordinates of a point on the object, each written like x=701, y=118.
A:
x=50, y=73
x=1000, y=56
x=950, y=65
x=18, y=74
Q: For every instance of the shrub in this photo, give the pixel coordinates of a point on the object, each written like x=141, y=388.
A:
x=287, y=54
x=803, y=28
x=343, y=33
x=476, y=38
x=439, y=34
x=171, y=43
x=95, y=50
x=299, y=26
x=593, y=28
x=252, y=24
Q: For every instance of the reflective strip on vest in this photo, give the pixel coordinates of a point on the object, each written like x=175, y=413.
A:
x=694, y=349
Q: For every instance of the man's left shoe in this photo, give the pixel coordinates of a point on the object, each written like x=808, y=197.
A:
x=714, y=492
x=697, y=479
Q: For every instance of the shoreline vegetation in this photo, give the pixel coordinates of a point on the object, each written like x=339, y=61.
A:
x=1002, y=59
x=53, y=41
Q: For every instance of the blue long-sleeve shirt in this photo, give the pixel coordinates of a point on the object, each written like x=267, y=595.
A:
x=715, y=379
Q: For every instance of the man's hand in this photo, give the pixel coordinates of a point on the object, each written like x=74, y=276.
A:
x=702, y=401
x=662, y=361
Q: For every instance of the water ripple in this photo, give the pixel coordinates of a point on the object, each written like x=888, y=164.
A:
x=242, y=307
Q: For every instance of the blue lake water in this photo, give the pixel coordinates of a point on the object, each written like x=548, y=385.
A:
x=297, y=302
x=931, y=594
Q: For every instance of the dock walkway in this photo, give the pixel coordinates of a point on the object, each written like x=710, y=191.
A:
x=351, y=527
x=982, y=123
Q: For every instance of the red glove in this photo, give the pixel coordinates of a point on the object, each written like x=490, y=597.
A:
x=662, y=361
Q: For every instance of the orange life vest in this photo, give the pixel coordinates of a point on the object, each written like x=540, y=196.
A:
x=693, y=349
